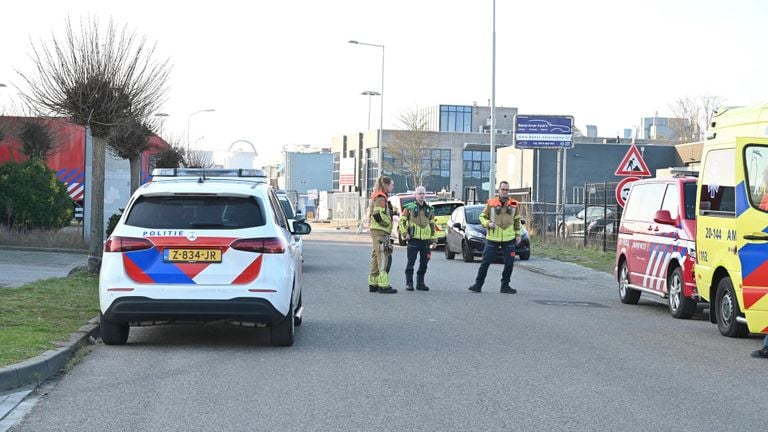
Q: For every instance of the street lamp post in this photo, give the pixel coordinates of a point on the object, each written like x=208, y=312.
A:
x=161, y=116
x=492, y=173
x=189, y=118
x=370, y=93
x=380, y=155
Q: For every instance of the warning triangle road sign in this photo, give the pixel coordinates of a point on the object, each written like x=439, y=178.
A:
x=633, y=164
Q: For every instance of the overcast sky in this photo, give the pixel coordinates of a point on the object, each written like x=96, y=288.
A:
x=282, y=72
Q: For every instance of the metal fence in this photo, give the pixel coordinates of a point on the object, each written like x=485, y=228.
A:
x=592, y=220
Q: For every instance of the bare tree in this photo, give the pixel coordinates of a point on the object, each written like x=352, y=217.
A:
x=694, y=115
x=37, y=140
x=98, y=78
x=198, y=159
x=709, y=104
x=172, y=157
x=410, y=145
x=128, y=141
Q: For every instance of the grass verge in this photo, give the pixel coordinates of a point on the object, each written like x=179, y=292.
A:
x=574, y=251
x=34, y=316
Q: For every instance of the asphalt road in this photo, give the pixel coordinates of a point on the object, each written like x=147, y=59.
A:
x=443, y=360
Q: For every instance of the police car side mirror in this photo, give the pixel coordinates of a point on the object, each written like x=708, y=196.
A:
x=663, y=217
x=301, y=228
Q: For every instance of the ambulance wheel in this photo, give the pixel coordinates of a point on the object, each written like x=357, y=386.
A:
x=448, y=254
x=627, y=295
x=680, y=306
x=727, y=310
x=113, y=333
x=466, y=252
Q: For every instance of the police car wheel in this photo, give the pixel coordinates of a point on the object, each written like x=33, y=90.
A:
x=627, y=295
x=727, y=310
x=281, y=334
x=113, y=333
x=525, y=256
x=297, y=319
x=680, y=306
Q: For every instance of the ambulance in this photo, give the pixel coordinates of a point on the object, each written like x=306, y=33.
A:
x=731, y=270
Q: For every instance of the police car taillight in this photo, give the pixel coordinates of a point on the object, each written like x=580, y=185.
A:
x=126, y=244
x=274, y=245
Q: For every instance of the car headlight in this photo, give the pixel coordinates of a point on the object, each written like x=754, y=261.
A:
x=475, y=235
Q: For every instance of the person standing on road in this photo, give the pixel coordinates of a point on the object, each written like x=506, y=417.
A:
x=417, y=227
x=502, y=220
x=762, y=352
x=381, y=227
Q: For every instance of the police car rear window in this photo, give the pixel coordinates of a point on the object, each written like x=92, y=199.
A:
x=196, y=212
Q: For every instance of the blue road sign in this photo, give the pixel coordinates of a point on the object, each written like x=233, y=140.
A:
x=543, y=131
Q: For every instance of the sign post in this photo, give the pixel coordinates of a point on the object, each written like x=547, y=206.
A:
x=546, y=132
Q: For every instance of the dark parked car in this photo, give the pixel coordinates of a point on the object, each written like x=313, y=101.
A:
x=597, y=220
x=466, y=236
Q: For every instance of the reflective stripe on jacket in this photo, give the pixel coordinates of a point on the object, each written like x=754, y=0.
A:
x=418, y=221
x=381, y=214
x=506, y=217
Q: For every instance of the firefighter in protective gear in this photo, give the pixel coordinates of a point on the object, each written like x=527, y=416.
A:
x=502, y=220
x=417, y=226
x=381, y=227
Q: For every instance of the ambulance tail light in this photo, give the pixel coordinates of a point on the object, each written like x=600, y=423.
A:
x=126, y=244
x=270, y=245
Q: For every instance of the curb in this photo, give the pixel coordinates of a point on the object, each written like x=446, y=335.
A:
x=42, y=249
x=40, y=368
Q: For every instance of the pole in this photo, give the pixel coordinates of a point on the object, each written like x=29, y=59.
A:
x=369, y=110
x=557, y=184
x=381, y=118
x=492, y=173
x=538, y=175
x=565, y=177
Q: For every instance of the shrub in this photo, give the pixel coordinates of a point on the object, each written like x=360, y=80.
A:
x=32, y=197
x=112, y=222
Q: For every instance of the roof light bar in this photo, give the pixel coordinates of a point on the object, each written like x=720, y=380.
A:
x=208, y=172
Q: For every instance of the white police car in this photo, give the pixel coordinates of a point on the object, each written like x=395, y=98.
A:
x=201, y=245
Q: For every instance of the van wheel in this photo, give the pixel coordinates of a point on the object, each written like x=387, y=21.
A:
x=680, y=306
x=466, y=252
x=113, y=333
x=281, y=334
x=627, y=295
x=448, y=254
x=727, y=309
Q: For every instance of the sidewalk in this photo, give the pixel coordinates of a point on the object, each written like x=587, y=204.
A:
x=21, y=266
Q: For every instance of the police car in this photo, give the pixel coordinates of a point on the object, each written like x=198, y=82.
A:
x=202, y=245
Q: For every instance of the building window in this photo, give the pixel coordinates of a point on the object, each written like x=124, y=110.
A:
x=455, y=118
x=336, y=158
x=477, y=167
x=437, y=171
x=371, y=156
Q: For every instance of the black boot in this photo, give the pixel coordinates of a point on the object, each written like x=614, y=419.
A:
x=422, y=287
x=409, y=287
x=506, y=289
x=761, y=353
x=387, y=290
x=475, y=288
x=373, y=288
